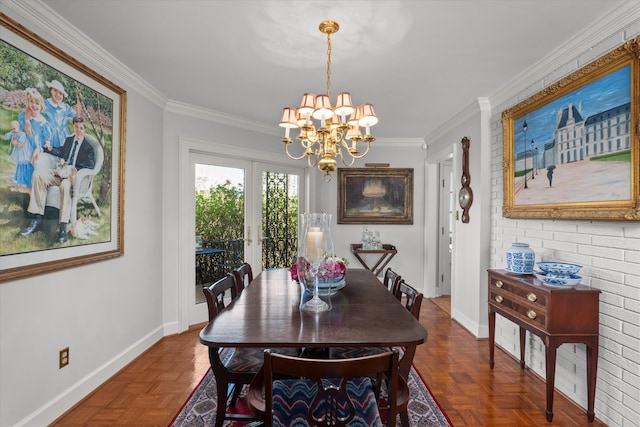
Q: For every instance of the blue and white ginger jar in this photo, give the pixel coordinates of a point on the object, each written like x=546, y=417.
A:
x=520, y=258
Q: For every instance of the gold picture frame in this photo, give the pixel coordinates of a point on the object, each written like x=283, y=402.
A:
x=95, y=227
x=375, y=196
x=571, y=151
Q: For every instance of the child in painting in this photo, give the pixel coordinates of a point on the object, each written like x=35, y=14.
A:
x=40, y=128
x=20, y=152
x=58, y=113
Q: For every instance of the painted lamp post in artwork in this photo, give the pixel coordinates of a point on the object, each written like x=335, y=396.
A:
x=533, y=159
x=524, y=128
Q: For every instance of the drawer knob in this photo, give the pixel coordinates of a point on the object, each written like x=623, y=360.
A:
x=532, y=297
x=499, y=283
x=499, y=298
x=531, y=314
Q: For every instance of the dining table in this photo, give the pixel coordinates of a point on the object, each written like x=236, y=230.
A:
x=363, y=314
x=268, y=314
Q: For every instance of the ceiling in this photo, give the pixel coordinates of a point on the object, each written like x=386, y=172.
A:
x=418, y=62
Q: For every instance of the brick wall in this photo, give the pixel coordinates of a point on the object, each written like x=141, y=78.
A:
x=610, y=254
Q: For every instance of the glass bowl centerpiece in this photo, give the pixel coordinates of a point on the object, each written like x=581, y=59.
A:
x=330, y=273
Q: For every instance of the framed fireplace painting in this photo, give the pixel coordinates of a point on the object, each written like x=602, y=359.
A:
x=375, y=196
x=43, y=92
x=571, y=151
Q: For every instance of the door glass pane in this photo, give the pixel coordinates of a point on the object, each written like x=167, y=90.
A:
x=280, y=199
x=219, y=212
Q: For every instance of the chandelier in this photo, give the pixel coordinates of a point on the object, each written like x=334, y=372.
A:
x=336, y=131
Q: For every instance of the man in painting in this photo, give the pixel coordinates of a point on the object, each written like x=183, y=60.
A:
x=550, y=174
x=78, y=154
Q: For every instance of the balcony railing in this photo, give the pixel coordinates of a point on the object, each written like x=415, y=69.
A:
x=211, y=267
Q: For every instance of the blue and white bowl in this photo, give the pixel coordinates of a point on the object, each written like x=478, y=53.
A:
x=559, y=269
x=570, y=280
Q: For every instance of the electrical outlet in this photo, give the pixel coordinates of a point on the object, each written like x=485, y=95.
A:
x=64, y=357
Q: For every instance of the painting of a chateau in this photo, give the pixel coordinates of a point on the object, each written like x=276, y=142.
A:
x=579, y=138
x=578, y=147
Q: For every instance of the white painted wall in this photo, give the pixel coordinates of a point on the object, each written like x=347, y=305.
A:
x=470, y=240
x=609, y=251
x=205, y=132
x=108, y=312
x=407, y=238
x=610, y=254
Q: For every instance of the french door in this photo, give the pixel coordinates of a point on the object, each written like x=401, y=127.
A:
x=245, y=211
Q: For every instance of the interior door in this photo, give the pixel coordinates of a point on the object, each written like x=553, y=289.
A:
x=445, y=227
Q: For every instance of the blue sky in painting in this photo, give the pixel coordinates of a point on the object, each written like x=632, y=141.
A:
x=600, y=95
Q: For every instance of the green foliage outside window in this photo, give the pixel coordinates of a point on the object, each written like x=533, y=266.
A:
x=220, y=220
x=220, y=212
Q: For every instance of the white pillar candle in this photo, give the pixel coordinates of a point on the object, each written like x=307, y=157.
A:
x=314, y=243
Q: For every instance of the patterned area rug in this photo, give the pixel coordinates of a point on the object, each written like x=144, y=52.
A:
x=200, y=408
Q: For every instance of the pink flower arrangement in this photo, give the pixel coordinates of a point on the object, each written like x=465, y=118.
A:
x=332, y=268
x=294, y=271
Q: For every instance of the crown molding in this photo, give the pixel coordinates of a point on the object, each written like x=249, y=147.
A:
x=613, y=23
x=398, y=142
x=593, y=35
x=48, y=24
x=220, y=117
x=473, y=108
x=41, y=19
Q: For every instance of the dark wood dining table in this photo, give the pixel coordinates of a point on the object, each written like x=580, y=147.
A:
x=267, y=314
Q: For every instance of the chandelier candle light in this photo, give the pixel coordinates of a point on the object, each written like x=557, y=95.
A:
x=338, y=125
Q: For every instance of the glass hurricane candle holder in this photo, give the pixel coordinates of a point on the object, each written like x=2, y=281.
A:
x=314, y=246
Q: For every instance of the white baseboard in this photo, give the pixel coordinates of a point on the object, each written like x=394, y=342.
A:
x=53, y=409
x=171, y=328
x=480, y=331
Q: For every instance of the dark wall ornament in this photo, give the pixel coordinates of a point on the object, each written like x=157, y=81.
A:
x=465, y=196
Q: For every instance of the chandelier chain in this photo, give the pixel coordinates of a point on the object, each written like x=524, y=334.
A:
x=329, y=65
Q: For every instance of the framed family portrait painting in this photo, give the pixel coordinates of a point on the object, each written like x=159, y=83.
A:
x=571, y=151
x=375, y=196
x=62, y=140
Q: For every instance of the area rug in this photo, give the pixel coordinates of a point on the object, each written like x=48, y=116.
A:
x=200, y=408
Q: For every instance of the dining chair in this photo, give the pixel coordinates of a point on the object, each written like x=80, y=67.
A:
x=233, y=368
x=391, y=278
x=412, y=300
x=243, y=275
x=324, y=392
x=409, y=297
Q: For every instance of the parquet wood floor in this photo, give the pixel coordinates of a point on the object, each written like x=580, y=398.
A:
x=455, y=365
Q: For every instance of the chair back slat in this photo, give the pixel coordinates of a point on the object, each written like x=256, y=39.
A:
x=411, y=297
x=391, y=279
x=331, y=405
x=243, y=275
x=217, y=294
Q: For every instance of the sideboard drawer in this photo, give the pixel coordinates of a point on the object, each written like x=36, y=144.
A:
x=535, y=296
x=535, y=315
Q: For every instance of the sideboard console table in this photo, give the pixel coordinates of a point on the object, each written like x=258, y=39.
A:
x=556, y=314
x=386, y=253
